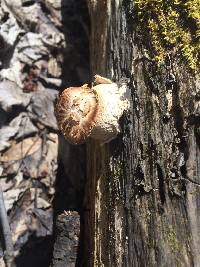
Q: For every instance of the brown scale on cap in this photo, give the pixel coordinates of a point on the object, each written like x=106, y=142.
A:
x=76, y=112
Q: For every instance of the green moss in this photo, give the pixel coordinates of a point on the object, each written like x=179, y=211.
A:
x=195, y=192
x=172, y=239
x=173, y=27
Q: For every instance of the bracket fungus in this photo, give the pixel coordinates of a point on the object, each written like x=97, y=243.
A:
x=94, y=112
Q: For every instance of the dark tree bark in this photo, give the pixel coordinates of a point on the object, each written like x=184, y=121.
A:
x=66, y=243
x=142, y=194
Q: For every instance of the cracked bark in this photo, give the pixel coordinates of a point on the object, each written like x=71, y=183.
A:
x=142, y=194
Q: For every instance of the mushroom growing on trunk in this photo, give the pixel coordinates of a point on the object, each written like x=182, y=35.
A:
x=94, y=112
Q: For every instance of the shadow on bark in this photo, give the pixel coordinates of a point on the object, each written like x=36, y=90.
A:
x=41, y=257
x=71, y=159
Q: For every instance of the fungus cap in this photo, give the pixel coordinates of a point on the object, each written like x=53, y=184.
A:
x=76, y=112
x=82, y=111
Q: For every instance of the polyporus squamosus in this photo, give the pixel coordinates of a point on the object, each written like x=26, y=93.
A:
x=84, y=112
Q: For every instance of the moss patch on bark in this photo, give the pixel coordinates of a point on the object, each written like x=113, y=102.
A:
x=173, y=27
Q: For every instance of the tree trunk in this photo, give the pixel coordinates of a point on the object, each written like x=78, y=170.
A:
x=142, y=194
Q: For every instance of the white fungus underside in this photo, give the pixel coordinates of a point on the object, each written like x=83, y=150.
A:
x=113, y=104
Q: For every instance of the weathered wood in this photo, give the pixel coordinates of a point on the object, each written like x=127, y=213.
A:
x=67, y=240
x=142, y=193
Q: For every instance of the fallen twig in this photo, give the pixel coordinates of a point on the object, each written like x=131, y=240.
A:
x=7, y=236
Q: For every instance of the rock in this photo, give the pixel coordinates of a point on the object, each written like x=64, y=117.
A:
x=22, y=149
x=42, y=108
x=11, y=95
x=11, y=197
x=19, y=127
x=10, y=30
